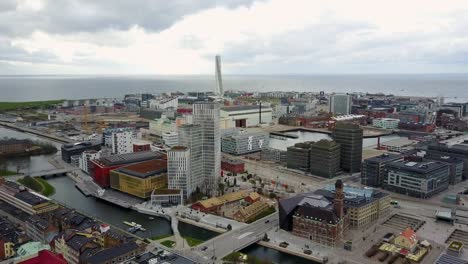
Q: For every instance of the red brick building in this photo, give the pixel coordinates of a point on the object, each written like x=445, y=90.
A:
x=140, y=147
x=234, y=166
x=45, y=256
x=313, y=217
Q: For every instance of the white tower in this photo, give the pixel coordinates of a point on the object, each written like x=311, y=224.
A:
x=219, y=81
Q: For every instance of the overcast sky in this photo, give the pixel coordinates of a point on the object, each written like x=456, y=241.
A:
x=253, y=37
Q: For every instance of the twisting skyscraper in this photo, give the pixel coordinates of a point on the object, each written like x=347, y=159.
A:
x=206, y=114
x=219, y=91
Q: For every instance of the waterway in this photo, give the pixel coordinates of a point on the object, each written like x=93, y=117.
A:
x=26, y=164
x=274, y=256
x=303, y=136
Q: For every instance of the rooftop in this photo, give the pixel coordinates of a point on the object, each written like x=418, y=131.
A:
x=108, y=254
x=80, y=145
x=401, y=142
x=415, y=166
x=128, y=158
x=244, y=108
x=30, y=198
x=386, y=157
x=145, y=169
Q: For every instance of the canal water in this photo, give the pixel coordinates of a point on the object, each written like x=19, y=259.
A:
x=26, y=164
x=274, y=256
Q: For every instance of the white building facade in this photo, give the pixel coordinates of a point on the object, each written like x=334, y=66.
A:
x=340, y=104
x=122, y=142
x=245, y=116
x=86, y=157
x=387, y=123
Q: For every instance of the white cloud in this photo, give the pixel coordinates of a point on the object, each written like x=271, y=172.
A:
x=276, y=34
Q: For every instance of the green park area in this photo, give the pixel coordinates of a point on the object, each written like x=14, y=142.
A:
x=6, y=173
x=37, y=184
x=10, y=106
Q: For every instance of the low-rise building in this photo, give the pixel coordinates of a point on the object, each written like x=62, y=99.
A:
x=213, y=205
x=75, y=149
x=246, y=115
x=313, y=217
x=41, y=229
x=275, y=155
x=101, y=168
x=140, y=179
x=244, y=142
x=116, y=254
x=364, y=205
x=373, y=169
x=170, y=139
x=167, y=197
x=386, y=123
x=400, y=145
x=21, y=198
x=421, y=179
x=456, y=167
x=232, y=165
x=248, y=213
x=44, y=256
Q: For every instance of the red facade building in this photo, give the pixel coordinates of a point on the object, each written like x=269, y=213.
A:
x=139, y=147
x=45, y=256
x=234, y=166
x=100, y=168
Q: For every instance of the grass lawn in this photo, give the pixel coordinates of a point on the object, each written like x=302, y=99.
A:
x=160, y=237
x=7, y=173
x=8, y=106
x=192, y=242
x=39, y=185
x=168, y=243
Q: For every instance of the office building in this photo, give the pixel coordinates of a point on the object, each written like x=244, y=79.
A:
x=422, y=179
x=122, y=142
x=298, y=156
x=386, y=123
x=185, y=162
x=456, y=167
x=164, y=103
x=167, y=197
x=100, y=168
x=207, y=115
x=140, y=179
x=245, y=116
x=244, y=142
x=170, y=139
x=349, y=136
x=275, y=155
x=325, y=158
x=315, y=218
x=340, y=104
x=219, y=90
x=75, y=149
x=86, y=157
x=373, y=169
x=364, y=205
x=458, y=151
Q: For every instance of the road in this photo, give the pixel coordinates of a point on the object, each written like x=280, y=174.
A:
x=232, y=241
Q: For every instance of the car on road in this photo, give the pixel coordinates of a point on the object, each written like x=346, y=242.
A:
x=204, y=248
x=284, y=244
x=267, y=221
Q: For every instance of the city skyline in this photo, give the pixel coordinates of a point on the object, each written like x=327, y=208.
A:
x=253, y=37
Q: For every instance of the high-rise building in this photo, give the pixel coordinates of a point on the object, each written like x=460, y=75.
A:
x=219, y=81
x=340, y=104
x=298, y=156
x=206, y=114
x=349, y=136
x=185, y=162
x=122, y=142
x=325, y=158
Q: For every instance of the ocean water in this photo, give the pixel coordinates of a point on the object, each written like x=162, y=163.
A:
x=45, y=87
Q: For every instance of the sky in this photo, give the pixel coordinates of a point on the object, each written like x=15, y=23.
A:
x=252, y=37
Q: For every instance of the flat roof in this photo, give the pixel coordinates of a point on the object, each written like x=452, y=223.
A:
x=243, y=108
x=30, y=198
x=128, y=158
x=401, y=142
x=145, y=169
x=386, y=157
x=80, y=145
x=417, y=166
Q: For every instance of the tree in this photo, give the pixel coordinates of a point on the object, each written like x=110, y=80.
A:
x=235, y=181
x=229, y=227
x=272, y=195
x=221, y=188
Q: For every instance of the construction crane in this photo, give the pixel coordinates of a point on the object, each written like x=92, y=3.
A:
x=84, y=120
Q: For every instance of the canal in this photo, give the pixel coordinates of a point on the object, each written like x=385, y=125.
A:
x=26, y=164
x=66, y=193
